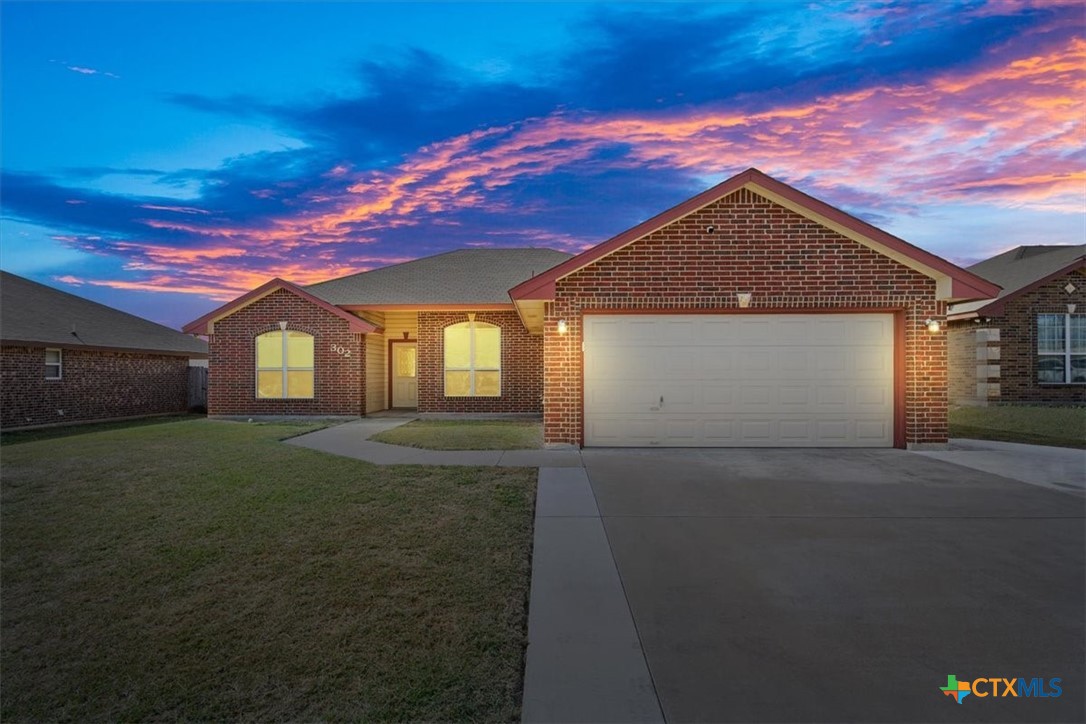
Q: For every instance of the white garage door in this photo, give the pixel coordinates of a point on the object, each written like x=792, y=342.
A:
x=742, y=380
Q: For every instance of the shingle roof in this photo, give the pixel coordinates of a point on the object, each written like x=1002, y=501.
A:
x=32, y=312
x=1020, y=267
x=467, y=276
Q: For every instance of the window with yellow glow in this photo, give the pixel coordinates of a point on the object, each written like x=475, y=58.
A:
x=473, y=360
x=284, y=365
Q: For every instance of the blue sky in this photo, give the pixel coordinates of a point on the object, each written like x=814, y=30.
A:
x=165, y=157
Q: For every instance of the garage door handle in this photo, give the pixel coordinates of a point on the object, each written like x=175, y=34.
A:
x=658, y=406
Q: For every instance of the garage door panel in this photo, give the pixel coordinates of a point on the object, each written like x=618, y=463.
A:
x=736, y=380
x=874, y=431
x=679, y=397
x=792, y=396
x=677, y=331
x=871, y=396
x=832, y=396
x=755, y=432
x=617, y=397
x=716, y=395
x=718, y=432
x=622, y=430
x=872, y=360
x=833, y=431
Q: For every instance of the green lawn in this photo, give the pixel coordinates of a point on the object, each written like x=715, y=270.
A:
x=1059, y=426
x=203, y=570
x=50, y=433
x=466, y=435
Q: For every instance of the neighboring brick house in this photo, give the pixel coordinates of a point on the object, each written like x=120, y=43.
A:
x=750, y=315
x=1028, y=344
x=66, y=359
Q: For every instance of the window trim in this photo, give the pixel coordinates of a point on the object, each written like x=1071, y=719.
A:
x=472, y=368
x=284, y=367
x=1067, y=354
x=59, y=364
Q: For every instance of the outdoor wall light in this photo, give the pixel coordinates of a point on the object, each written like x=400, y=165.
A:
x=933, y=325
x=744, y=299
x=562, y=326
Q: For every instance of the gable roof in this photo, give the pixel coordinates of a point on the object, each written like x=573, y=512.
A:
x=953, y=281
x=1018, y=271
x=463, y=277
x=34, y=313
x=206, y=323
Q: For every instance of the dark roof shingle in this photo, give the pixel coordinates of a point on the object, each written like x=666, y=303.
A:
x=35, y=313
x=1018, y=268
x=467, y=276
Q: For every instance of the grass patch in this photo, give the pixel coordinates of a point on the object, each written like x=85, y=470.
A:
x=202, y=570
x=1057, y=426
x=466, y=435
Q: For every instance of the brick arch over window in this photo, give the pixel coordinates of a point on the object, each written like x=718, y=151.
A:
x=521, y=365
x=291, y=327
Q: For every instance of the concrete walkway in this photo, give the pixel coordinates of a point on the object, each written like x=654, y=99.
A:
x=1055, y=468
x=584, y=660
x=351, y=440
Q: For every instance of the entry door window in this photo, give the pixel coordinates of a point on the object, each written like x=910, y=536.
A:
x=405, y=388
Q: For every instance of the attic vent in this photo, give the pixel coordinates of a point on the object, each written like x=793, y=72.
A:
x=1070, y=288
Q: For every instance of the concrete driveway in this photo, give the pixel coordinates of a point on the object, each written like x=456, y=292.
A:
x=830, y=585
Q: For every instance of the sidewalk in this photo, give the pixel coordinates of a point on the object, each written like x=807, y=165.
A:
x=1055, y=468
x=351, y=440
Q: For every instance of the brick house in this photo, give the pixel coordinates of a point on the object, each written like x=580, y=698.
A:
x=66, y=359
x=749, y=315
x=1028, y=344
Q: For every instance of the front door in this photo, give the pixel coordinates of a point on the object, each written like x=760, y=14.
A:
x=405, y=387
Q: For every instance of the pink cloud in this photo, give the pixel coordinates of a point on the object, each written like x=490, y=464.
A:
x=1007, y=133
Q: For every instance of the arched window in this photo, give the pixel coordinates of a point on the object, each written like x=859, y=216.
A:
x=284, y=365
x=473, y=360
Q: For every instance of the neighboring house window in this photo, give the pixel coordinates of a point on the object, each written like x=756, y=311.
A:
x=473, y=360
x=284, y=365
x=54, y=361
x=1061, y=348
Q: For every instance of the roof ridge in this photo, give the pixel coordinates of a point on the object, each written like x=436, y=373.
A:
x=435, y=256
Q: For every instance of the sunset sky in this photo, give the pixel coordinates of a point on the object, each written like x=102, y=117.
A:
x=165, y=157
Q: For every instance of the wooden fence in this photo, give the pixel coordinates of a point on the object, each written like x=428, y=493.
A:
x=198, y=388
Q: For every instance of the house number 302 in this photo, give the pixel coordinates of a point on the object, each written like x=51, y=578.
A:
x=341, y=350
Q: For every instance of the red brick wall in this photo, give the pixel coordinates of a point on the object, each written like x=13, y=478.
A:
x=339, y=379
x=522, y=365
x=1018, y=343
x=94, y=386
x=785, y=260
